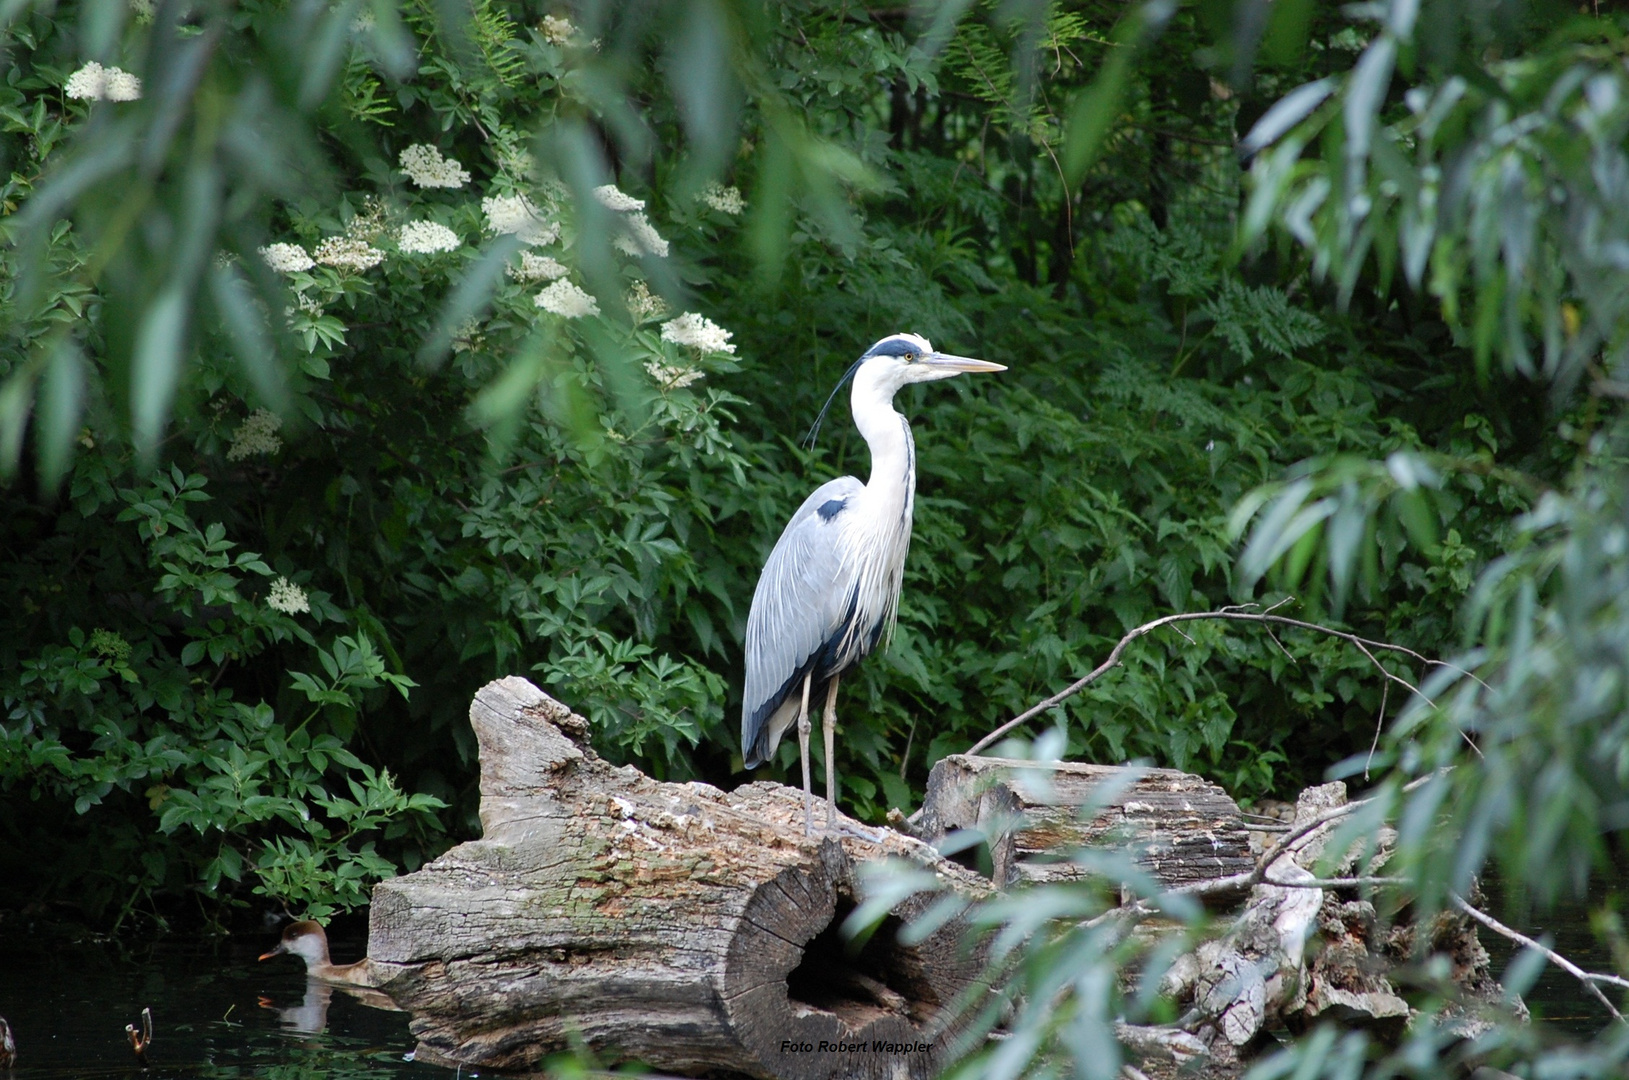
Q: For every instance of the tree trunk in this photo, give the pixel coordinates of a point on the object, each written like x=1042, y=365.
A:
x=666, y=923
x=1180, y=828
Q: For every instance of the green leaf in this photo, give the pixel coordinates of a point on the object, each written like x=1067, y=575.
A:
x=16, y=403
x=472, y=294
x=155, y=370
x=1094, y=112
x=1365, y=90
x=1284, y=114
x=250, y=340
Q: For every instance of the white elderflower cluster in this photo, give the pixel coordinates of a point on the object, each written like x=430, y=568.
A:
x=93, y=82
x=286, y=258
x=644, y=304
x=287, y=597
x=425, y=166
x=256, y=435
x=614, y=198
x=699, y=331
x=537, y=268
x=669, y=377
x=555, y=30
x=567, y=301
x=640, y=238
x=144, y=10
x=426, y=237
x=516, y=214
x=726, y=200
x=348, y=253
x=368, y=222
x=306, y=303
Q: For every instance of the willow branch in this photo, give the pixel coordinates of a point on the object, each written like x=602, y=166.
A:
x=1368, y=647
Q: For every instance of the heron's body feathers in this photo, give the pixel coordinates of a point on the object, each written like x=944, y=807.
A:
x=822, y=603
x=830, y=590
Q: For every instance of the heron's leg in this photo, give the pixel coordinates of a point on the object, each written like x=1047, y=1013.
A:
x=830, y=724
x=803, y=755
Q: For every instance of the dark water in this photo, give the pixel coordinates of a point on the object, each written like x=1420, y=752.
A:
x=68, y=1006
x=1557, y=998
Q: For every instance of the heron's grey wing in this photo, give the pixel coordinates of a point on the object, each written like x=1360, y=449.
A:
x=802, y=599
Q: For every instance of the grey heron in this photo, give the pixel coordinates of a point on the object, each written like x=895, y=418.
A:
x=830, y=590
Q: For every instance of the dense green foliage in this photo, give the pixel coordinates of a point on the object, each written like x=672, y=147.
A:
x=449, y=524
x=1492, y=178
x=275, y=512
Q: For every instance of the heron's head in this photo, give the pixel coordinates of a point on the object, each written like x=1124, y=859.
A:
x=895, y=361
x=901, y=359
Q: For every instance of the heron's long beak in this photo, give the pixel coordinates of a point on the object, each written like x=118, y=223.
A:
x=950, y=362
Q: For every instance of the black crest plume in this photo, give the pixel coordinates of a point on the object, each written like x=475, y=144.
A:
x=809, y=440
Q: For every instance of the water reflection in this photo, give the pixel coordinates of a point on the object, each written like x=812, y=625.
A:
x=69, y=1002
x=310, y=1016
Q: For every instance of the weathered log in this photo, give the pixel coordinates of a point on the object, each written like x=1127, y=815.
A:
x=1264, y=970
x=666, y=923
x=1256, y=972
x=1180, y=828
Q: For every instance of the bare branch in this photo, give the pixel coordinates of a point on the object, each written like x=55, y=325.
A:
x=1227, y=614
x=1337, y=883
x=1379, y=725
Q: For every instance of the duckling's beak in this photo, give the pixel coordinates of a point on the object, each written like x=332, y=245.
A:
x=279, y=951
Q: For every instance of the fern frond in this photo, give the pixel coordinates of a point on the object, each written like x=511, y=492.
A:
x=364, y=95
x=1179, y=255
x=1129, y=381
x=497, y=37
x=1263, y=316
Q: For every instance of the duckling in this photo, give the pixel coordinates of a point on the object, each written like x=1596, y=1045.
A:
x=307, y=940
x=8, y=1045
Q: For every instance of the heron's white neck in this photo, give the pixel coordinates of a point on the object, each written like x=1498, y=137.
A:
x=886, y=432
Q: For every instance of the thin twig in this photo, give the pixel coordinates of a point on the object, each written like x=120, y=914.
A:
x=1282, y=649
x=1229, y=615
x=1380, y=723
x=1588, y=978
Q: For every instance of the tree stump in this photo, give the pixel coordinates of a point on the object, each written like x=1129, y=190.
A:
x=1180, y=828
x=666, y=923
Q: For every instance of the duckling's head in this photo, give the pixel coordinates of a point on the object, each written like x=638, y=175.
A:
x=304, y=939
